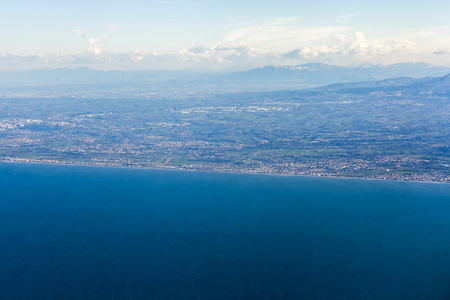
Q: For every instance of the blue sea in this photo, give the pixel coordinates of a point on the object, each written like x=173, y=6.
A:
x=74, y=232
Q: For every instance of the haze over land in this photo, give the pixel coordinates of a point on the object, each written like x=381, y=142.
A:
x=266, y=78
x=395, y=128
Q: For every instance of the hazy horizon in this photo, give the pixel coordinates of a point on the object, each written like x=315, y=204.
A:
x=226, y=71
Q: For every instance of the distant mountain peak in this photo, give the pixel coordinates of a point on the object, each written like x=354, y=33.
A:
x=270, y=77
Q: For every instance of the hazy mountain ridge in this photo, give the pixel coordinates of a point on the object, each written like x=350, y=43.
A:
x=66, y=76
x=266, y=78
x=434, y=83
x=315, y=74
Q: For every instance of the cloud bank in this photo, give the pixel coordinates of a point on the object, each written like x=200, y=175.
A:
x=245, y=46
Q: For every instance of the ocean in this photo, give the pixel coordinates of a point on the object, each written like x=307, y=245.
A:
x=77, y=232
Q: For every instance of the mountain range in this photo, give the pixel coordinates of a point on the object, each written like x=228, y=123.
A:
x=442, y=83
x=259, y=79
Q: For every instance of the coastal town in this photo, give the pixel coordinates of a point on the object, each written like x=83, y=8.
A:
x=374, y=134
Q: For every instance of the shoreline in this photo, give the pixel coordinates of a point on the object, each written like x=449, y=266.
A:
x=213, y=171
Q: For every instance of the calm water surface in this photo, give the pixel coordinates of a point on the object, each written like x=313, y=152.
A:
x=71, y=232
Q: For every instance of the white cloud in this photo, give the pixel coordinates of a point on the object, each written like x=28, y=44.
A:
x=95, y=46
x=193, y=58
x=354, y=48
x=295, y=43
x=338, y=48
x=277, y=34
x=425, y=36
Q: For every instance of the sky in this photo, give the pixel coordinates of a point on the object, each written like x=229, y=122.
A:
x=213, y=35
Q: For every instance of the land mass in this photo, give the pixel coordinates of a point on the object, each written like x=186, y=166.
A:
x=392, y=129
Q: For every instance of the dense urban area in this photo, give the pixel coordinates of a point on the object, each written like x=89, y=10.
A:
x=399, y=133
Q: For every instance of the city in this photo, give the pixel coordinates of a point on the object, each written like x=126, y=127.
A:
x=398, y=133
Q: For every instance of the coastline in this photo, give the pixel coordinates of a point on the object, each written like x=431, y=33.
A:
x=165, y=168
